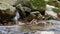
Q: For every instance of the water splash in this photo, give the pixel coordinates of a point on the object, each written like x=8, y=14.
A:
x=16, y=17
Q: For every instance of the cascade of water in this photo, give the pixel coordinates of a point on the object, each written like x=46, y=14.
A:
x=16, y=17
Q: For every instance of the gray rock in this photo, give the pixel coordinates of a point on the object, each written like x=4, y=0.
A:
x=23, y=10
x=7, y=12
x=11, y=2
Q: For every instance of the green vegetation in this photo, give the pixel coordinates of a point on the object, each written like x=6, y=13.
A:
x=38, y=4
x=54, y=3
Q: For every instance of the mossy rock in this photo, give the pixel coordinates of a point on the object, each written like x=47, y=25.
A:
x=7, y=12
x=56, y=10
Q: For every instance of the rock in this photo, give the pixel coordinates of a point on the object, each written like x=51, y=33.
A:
x=7, y=12
x=25, y=3
x=33, y=15
x=30, y=17
x=23, y=11
x=30, y=6
x=6, y=8
x=40, y=17
x=33, y=22
x=56, y=10
x=11, y=2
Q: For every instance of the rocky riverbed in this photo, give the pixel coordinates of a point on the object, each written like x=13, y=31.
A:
x=15, y=28
x=19, y=28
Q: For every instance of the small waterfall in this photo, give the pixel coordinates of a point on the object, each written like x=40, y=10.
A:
x=16, y=17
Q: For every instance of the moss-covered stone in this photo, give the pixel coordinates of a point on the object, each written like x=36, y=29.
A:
x=57, y=10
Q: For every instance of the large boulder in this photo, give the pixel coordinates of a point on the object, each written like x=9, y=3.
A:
x=27, y=13
x=57, y=11
x=23, y=10
x=33, y=15
x=7, y=12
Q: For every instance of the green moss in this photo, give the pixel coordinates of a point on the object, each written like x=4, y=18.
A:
x=39, y=4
